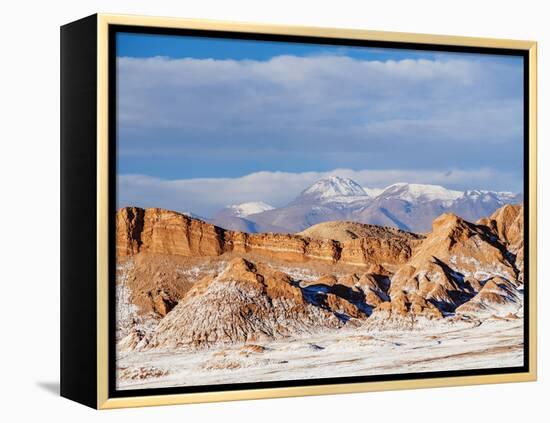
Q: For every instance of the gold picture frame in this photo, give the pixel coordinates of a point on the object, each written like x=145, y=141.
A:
x=98, y=27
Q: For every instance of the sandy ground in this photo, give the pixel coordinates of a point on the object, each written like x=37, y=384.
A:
x=339, y=353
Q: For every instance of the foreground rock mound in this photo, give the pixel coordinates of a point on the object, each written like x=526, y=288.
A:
x=247, y=302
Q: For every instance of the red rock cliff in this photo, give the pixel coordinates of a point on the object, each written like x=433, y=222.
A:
x=161, y=231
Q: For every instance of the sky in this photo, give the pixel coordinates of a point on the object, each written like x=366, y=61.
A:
x=203, y=123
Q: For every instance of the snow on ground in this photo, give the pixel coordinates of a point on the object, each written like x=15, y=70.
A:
x=128, y=319
x=480, y=272
x=297, y=273
x=491, y=343
x=194, y=273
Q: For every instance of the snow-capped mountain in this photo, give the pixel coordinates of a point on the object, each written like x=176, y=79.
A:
x=411, y=207
x=237, y=217
x=373, y=192
x=246, y=209
x=488, y=196
x=474, y=203
x=332, y=189
x=419, y=192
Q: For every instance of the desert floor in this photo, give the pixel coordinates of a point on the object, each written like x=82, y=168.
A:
x=491, y=343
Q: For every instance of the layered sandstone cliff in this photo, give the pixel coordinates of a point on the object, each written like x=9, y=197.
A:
x=166, y=232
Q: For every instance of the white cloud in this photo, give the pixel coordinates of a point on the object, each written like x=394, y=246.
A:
x=463, y=110
x=305, y=93
x=205, y=196
x=455, y=121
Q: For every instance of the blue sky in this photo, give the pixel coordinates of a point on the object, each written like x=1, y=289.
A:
x=265, y=115
x=150, y=45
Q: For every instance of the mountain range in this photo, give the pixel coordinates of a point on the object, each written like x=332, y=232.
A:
x=410, y=207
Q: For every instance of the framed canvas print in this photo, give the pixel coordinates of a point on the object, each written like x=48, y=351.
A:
x=254, y=211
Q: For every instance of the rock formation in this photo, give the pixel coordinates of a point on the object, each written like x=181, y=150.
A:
x=246, y=302
x=507, y=224
x=498, y=296
x=453, y=264
x=166, y=232
x=203, y=285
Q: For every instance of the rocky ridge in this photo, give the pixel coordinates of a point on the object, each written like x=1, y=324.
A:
x=166, y=232
x=397, y=279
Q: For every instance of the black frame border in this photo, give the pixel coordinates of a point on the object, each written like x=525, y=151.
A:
x=112, y=131
x=78, y=211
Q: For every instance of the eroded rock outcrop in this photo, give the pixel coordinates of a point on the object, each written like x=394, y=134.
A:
x=497, y=297
x=246, y=302
x=455, y=266
x=507, y=224
x=452, y=262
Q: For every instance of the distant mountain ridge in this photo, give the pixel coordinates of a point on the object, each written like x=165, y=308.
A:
x=405, y=206
x=333, y=189
x=420, y=192
x=246, y=209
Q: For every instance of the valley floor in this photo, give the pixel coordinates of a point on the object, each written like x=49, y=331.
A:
x=491, y=343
